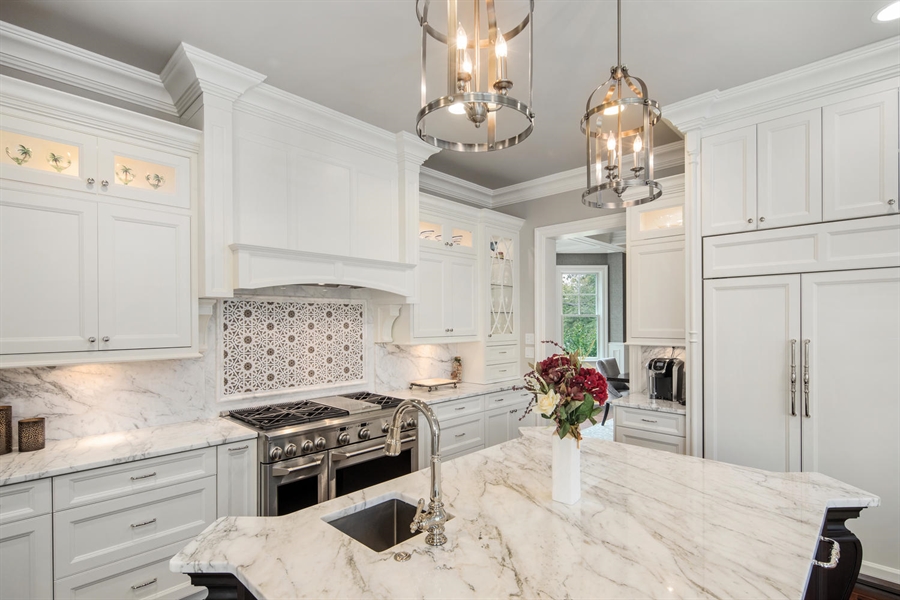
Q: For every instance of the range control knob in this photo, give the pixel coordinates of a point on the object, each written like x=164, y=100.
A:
x=276, y=453
x=385, y=427
x=290, y=450
x=344, y=439
x=320, y=443
x=307, y=447
x=363, y=434
x=411, y=422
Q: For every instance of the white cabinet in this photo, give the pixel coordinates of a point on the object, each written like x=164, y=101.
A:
x=790, y=170
x=447, y=298
x=661, y=218
x=145, y=174
x=26, y=567
x=48, y=265
x=237, y=472
x=860, y=138
x=653, y=429
x=445, y=232
x=463, y=291
x=145, y=278
x=649, y=439
x=728, y=181
x=655, y=291
x=502, y=424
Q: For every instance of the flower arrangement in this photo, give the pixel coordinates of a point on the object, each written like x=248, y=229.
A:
x=565, y=391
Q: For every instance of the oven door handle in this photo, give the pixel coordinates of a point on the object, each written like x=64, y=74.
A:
x=346, y=455
x=281, y=471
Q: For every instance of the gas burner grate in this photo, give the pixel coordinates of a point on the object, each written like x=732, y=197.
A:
x=275, y=416
x=373, y=398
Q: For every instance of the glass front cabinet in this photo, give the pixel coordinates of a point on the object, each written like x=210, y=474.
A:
x=501, y=306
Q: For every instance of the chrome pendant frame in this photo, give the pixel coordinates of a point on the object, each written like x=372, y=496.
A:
x=607, y=192
x=491, y=103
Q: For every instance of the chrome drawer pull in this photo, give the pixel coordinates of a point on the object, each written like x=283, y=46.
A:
x=461, y=408
x=835, y=557
x=143, y=585
x=499, y=399
x=459, y=435
x=153, y=474
x=136, y=525
x=236, y=449
x=648, y=420
x=515, y=410
x=502, y=371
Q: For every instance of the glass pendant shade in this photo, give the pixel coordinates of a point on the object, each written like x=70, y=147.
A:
x=474, y=64
x=618, y=127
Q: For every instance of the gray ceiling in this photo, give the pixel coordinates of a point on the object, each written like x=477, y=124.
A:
x=361, y=57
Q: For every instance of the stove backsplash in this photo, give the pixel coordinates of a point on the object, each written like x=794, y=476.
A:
x=85, y=400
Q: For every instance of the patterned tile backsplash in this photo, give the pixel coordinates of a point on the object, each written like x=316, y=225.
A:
x=276, y=345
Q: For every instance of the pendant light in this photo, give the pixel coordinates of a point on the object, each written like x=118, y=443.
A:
x=476, y=106
x=616, y=124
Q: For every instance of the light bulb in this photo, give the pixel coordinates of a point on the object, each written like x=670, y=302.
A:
x=638, y=144
x=467, y=65
x=500, y=46
x=612, y=110
x=457, y=108
x=611, y=142
x=462, y=40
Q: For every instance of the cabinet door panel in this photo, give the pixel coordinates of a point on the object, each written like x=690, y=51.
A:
x=790, y=170
x=261, y=192
x=145, y=279
x=319, y=210
x=26, y=568
x=236, y=481
x=375, y=218
x=748, y=325
x=852, y=322
x=48, y=273
x=656, y=290
x=430, y=314
x=728, y=181
x=860, y=161
x=496, y=427
x=463, y=288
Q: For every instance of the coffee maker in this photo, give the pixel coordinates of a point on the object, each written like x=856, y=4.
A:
x=666, y=379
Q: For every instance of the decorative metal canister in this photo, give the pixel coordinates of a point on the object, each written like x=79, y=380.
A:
x=31, y=434
x=5, y=429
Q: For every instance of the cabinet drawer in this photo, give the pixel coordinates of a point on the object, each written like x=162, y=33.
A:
x=92, y=536
x=502, y=371
x=462, y=435
x=459, y=408
x=649, y=439
x=141, y=577
x=507, y=398
x=88, y=487
x=650, y=420
x=501, y=354
x=24, y=500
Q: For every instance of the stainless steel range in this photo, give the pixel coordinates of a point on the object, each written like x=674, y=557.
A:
x=314, y=450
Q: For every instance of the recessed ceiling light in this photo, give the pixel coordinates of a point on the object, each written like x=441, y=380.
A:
x=891, y=12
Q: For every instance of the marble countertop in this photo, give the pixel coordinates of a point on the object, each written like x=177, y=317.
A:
x=462, y=390
x=650, y=524
x=79, y=454
x=643, y=401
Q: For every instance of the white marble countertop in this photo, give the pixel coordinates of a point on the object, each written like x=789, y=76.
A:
x=79, y=454
x=643, y=401
x=462, y=390
x=650, y=524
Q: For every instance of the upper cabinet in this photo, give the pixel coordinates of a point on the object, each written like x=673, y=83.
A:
x=826, y=164
x=503, y=282
x=443, y=233
x=96, y=251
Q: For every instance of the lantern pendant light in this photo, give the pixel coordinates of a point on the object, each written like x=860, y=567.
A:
x=616, y=124
x=478, y=91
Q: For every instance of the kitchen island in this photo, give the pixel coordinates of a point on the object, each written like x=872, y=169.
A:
x=649, y=525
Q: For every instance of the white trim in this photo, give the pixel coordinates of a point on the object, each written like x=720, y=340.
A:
x=544, y=237
x=454, y=188
x=603, y=294
x=52, y=59
x=880, y=571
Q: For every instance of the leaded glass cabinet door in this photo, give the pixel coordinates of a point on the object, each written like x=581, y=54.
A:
x=502, y=259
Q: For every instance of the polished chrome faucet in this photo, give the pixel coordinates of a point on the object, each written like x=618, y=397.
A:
x=433, y=520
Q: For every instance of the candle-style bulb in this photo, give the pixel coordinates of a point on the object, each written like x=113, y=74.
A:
x=467, y=64
x=462, y=40
x=500, y=46
x=611, y=142
x=638, y=144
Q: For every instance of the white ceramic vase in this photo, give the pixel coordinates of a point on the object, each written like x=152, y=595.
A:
x=566, y=470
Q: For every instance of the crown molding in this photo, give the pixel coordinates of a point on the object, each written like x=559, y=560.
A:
x=454, y=188
x=52, y=59
x=411, y=149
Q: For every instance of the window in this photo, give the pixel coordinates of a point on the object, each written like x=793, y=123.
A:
x=582, y=296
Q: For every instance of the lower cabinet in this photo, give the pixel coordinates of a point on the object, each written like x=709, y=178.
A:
x=648, y=439
x=502, y=424
x=237, y=480
x=650, y=429
x=26, y=568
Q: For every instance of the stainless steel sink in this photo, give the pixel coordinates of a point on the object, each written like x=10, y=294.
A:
x=381, y=526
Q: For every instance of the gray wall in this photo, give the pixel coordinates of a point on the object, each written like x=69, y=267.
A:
x=616, y=285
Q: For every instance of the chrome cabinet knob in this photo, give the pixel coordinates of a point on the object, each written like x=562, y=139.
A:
x=762, y=219
x=320, y=443
x=891, y=202
x=105, y=338
x=90, y=181
x=344, y=439
x=307, y=446
x=749, y=220
x=276, y=453
x=290, y=450
x=104, y=183
x=364, y=434
x=92, y=339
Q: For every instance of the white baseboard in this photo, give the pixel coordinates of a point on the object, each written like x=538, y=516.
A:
x=880, y=571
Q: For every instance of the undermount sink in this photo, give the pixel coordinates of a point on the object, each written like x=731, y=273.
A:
x=379, y=527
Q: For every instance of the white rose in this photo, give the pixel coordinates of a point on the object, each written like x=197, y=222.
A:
x=546, y=403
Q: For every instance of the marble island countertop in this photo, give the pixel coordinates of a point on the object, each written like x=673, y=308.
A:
x=649, y=525
x=79, y=454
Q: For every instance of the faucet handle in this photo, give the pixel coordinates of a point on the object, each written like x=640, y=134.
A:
x=417, y=520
